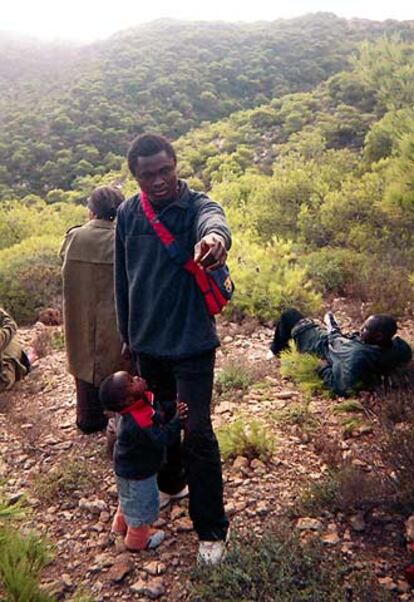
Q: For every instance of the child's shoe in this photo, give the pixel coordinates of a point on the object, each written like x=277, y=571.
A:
x=119, y=526
x=142, y=538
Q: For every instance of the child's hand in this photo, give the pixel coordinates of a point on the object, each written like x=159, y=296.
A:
x=182, y=411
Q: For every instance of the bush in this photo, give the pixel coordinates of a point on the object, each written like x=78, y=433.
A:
x=30, y=277
x=247, y=438
x=301, y=368
x=280, y=568
x=331, y=269
x=21, y=562
x=63, y=480
x=268, y=279
x=234, y=375
x=22, y=559
x=345, y=489
x=296, y=413
x=33, y=217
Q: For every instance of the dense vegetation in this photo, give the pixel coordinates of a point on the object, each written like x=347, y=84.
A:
x=314, y=162
x=66, y=114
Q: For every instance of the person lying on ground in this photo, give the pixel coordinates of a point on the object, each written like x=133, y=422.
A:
x=14, y=363
x=139, y=453
x=352, y=362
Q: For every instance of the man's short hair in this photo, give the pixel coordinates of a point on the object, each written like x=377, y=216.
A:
x=383, y=323
x=111, y=394
x=146, y=145
x=104, y=202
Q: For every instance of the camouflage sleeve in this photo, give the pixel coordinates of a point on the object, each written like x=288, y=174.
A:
x=8, y=329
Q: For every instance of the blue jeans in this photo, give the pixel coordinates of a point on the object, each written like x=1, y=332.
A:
x=139, y=500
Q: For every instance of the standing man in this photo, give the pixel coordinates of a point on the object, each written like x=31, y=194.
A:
x=93, y=345
x=163, y=321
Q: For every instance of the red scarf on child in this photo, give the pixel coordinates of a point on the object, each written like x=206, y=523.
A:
x=142, y=410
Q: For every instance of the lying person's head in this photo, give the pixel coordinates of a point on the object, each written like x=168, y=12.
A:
x=379, y=329
x=121, y=390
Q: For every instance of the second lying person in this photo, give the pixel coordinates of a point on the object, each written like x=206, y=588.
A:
x=139, y=453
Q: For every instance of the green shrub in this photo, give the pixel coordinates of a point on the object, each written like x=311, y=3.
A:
x=268, y=279
x=33, y=217
x=278, y=567
x=63, y=479
x=345, y=489
x=22, y=559
x=30, y=277
x=233, y=375
x=21, y=562
x=296, y=413
x=244, y=437
x=301, y=368
x=331, y=269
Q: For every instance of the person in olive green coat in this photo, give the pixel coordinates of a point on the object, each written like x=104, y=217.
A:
x=92, y=341
x=14, y=363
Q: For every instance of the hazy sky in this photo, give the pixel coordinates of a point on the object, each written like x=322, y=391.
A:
x=90, y=19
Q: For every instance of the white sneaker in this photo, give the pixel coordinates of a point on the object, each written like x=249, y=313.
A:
x=166, y=498
x=270, y=355
x=211, y=552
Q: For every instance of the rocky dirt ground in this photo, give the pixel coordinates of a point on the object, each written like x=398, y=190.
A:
x=67, y=482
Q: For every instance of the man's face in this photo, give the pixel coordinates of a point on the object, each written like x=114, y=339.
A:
x=157, y=176
x=368, y=333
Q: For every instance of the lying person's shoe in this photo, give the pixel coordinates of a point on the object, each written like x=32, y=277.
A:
x=143, y=538
x=166, y=498
x=270, y=355
x=330, y=322
x=211, y=552
x=119, y=526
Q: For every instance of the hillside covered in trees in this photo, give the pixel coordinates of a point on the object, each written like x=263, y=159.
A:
x=303, y=129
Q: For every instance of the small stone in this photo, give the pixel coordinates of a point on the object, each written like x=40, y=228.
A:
x=357, y=522
x=309, y=524
x=388, y=583
x=67, y=582
x=262, y=509
x=403, y=587
x=240, y=462
x=230, y=509
x=120, y=569
x=409, y=528
x=285, y=394
x=257, y=465
x=154, y=568
x=177, y=512
x=184, y=524
x=331, y=537
x=224, y=407
x=15, y=497
x=154, y=588
x=103, y=560
x=104, y=517
x=228, y=339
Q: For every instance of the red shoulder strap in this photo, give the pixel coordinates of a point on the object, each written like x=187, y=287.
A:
x=168, y=240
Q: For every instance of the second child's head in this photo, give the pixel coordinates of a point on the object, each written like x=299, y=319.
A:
x=121, y=390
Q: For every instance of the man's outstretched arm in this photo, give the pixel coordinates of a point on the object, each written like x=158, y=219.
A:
x=213, y=235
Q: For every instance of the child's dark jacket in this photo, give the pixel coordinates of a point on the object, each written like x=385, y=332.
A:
x=141, y=442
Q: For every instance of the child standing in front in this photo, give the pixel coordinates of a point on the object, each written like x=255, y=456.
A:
x=139, y=453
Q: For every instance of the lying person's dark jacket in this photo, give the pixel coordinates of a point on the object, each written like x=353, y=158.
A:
x=352, y=365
